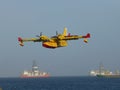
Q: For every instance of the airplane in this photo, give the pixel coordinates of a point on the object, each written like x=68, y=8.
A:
x=60, y=40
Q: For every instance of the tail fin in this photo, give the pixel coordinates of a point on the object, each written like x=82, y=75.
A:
x=85, y=38
x=65, y=32
x=20, y=41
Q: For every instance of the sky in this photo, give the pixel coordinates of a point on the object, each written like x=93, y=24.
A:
x=27, y=18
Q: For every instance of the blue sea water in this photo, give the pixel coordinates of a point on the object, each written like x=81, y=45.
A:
x=60, y=83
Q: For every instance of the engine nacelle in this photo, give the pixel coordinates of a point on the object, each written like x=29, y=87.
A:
x=44, y=38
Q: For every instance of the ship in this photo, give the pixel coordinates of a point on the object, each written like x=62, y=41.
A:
x=102, y=72
x=34, y=72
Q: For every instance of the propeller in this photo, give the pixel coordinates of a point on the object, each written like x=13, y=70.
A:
x=56, y=33
x=39, y=35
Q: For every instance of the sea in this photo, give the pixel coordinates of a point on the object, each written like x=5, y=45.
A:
x=60, y=83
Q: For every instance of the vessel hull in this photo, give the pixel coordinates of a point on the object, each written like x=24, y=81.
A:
x=109, y=76
x=45, y=76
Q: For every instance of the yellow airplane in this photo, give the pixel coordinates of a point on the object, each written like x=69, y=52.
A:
x=60, y=40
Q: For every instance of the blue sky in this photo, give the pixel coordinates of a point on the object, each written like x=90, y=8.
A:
x=27, y=18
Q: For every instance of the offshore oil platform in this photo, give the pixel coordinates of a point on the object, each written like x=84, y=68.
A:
x=102, y=72
x=34, y=72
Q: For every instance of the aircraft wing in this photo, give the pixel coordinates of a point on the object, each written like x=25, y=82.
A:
x=21, y=40
x=75, y=37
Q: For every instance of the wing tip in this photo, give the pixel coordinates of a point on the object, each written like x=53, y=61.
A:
x=88, y=35
x=20, y=41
